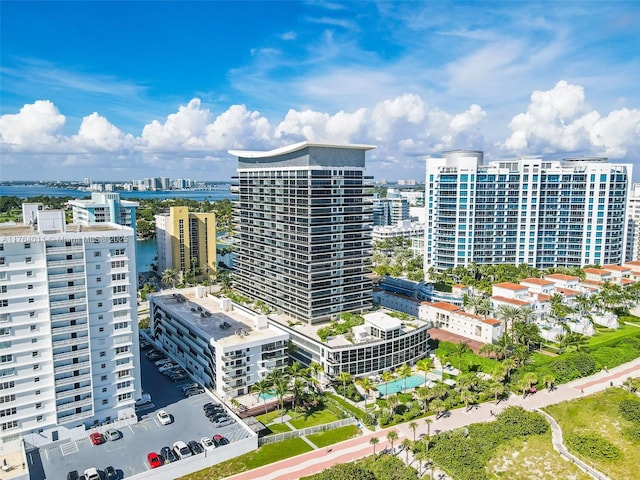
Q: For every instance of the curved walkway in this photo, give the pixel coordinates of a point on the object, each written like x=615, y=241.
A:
x=559, y=446
x=359, y=447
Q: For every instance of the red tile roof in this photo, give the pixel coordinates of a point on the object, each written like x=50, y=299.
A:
x=537, y=281
x=512, y=301
x=510, y=286
x=563, y=277
x=445, y=306
x=491, y=321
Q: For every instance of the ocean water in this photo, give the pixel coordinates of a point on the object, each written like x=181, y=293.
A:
x=219, y=192
x=145, y=254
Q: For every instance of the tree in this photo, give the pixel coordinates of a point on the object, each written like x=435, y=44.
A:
x=280, y=387
x=530, y=379
x=496, y=389
x=392, y=436
x=262, y=388
x=509, y=366
x=404, y=372
x=406, y=445
x=170, y=277
x=467, y=397
x=316, y=369
x=423, y=395
x=508, y=314
x=460, y=349
x=425, y=365
x=413, y=426
x=367, y=385
x=549, y=380
x=439, y=407
x=487, y=349
x=392, y=402
x=386, y=378
x=345, y=377
x=374, y=441
x=296, y=388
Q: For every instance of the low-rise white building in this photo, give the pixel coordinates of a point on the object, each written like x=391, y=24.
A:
x=454, y=319
x=226, y=347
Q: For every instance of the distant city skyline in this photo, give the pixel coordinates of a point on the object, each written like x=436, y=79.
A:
x=126, y=90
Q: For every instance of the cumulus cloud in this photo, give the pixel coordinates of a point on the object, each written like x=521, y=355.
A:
x=96, y=133
x=560, y=120
x=35, y=127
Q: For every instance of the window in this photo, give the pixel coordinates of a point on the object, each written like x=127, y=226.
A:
x=7, y=385
x=3, y=275
x=99, y=304
x=105, y=401
x=32, y=314
x=99, y=291
x=37, y=392
x=7, y=372
x=100, y=317
x=124, y=396
x=3, y=289
x=103, y=354
x=122, y=361
x=34, y=328
x=29, y=273
x=8, y=411
x=34, y=340
x=98, y=279
x=2, y=261
x=120, y=350
x=39, y=418
x=9, y=425
x=121, y=325
x=6, y=358
x=97, y=253
x=28, y=260
x=4, y=317
x=30, y=287
x=103, y=378
x=7, y=398
x=103, y=365
x=98, y=267
x=104, y=389
x=36, y=379
x=32, y=300
x=4, y=303
x=124, y=373
x=5, y=345
x=101, y=329
x=38, y=405
x=35, y=354
x=27, y=245
x=36, y=366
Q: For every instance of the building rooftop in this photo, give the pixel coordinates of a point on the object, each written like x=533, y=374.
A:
x=294, y=148
x=510, y=286
x=445, y=306
x=512, y=301
x=382, y=321
x=615, y=268
x=12, y=229
x=537, y=281
x=491, y=321
x=227, y=328
x=562, y=277
x=596, y=271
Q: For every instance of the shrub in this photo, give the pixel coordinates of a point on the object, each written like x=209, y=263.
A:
x=593, y=447
x=630, y=409
x=569, y=366
x=632, y=433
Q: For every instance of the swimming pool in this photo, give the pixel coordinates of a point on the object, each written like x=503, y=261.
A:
x=398, y=385
x=267, y=396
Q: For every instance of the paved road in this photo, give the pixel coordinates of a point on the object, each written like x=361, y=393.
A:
x=318, y=460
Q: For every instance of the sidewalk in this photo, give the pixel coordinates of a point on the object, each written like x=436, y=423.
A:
x=318, y=460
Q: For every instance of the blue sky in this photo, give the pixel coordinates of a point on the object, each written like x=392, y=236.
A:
x=125, y=90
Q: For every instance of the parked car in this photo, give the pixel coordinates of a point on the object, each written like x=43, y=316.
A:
x=92, y=474
x=110, y=473
x=168, y=455
x=163, y=417
x=162, y=361
x=195, y=447
x=177, y=377
x=97, y=438
x=186, y=387
x=215, y=416
x=181, y=450
x=144, y=400
x=153, y=353
x=207, y=443
x=167, y=367
x=112, y=434
x=73, y=475
x=193, y=391
x=209, y=412
x=223, y=422
x=219, y=440
x=154, y=460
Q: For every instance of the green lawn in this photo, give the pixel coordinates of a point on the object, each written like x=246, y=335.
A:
x=274, y=416
x=263, y=456
x=279, y=428
x=606, y=336
x=598, y=415
x=531, y=457
x=312, y=419
x=336, y=435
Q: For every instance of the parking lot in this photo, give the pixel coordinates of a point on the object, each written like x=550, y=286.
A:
x=128, y=455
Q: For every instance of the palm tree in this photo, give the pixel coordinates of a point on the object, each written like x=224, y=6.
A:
x=368, y=386
x=460, y=349
x=487, y=349
x=406, y=444
x=345, y=377
x=374, y=441
x=316, y=369
x=439, y=407
x=496, y=389
x=421, y=457
x=413, y=426
x=392, y=402
x=392, y=436
x=507, y=314
x=262, y=388
x=422, y=395
x=509, y=366
x=441, y=391
x=280, y=387
x=404, y=372
x=467, y=397
x=530, y=379
x=386, y=378
x=425, y=365
x=169, y=277
x=549, y=380
x=297, y=387
x=468, y=381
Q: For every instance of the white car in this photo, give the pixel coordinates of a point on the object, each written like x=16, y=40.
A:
x=167, y=366
x=91, y=474
x=163, y=417
x=181, y=450
x=207, y=443
x=162, y=361
x=146, y=398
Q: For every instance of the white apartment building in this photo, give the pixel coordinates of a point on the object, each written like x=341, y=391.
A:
x=543, y=213
x=104, y=208
x=633, y=243
x=454, y=319
x=69, y=356
x=224, y=346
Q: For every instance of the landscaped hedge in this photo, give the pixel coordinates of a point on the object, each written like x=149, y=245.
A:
x=464, y=453
x=333, y=401
x=614, y=354
x=630, y=409
x=593, y=447
x=569, y=366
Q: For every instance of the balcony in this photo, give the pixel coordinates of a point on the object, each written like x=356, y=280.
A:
x=66, y=290
x=67, y=303
x=66, y=276
x=66, y=249
x=228, y=357
x=73, y=392
x=74, y=417
x=69, y=329
x=70, y=341
x=74, y=262
x=71, y=367
x=68, y=316
x=80, y=403
x=230, y=368
x=227, y=377
x=73, y=379
x=72, y=354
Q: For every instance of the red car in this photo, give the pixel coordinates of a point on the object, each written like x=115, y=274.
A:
x=154, y=460
x=96, y=438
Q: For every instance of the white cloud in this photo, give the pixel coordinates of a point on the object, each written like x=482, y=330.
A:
x=560, y=120
x=35, y=127
x=96, y=133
